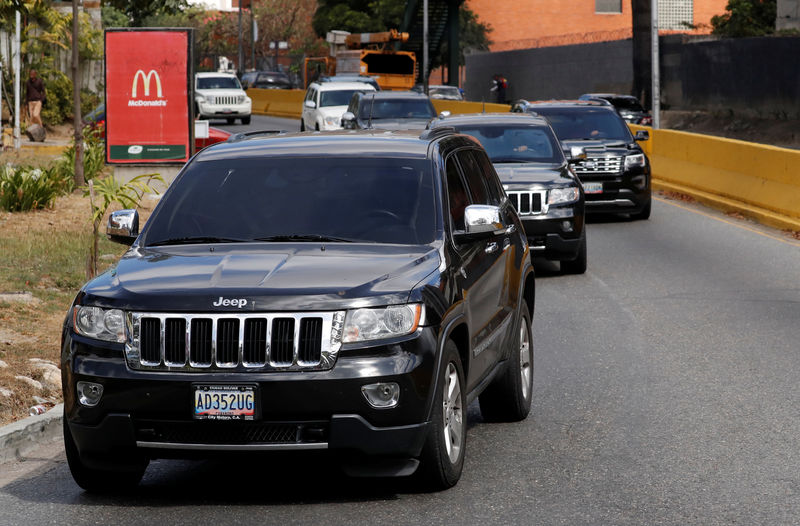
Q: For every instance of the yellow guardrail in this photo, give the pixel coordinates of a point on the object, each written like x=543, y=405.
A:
x=277, y=102
x=456, y=107
x=759, y=181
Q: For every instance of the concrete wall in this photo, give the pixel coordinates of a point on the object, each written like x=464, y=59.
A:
x=553, y=72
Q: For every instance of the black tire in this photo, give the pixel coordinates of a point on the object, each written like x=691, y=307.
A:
x=316, y=127
x=302, y=125
x=645, y=212
x=230, y=120
x=246, y=120
x=508, y=397
x=101, y=480
x=442, y=459
x=577, y=265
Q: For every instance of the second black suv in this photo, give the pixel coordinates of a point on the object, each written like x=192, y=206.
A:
x=612, y=167
x=389, y=110
x=349, y=292
x=537, y=179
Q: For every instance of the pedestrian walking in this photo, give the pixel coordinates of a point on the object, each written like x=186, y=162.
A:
x=499, y=86
x=35, y=97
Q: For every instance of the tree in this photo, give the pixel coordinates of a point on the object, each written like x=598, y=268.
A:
x=289, y=21
x=358, y=16
x=746, y=18
x=138, y=10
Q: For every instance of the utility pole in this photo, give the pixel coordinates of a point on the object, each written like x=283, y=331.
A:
x=240, y=65
x=76, y=97
x=656, y=97
x=254, y=36
x=16, y=82
x=425, y=46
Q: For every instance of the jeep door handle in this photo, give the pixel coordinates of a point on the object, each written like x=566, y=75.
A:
x=491, y=247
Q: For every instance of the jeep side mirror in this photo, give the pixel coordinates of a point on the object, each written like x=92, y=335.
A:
x=480, y=222
x=642, y=135
x=444, y=114
x=348, y=120
x=310, y=104
x=576, y=153
x=123, y=226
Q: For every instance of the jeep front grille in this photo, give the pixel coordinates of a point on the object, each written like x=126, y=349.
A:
x=247, y=342
x=599, y=166
x=219, y=101
x=528, y=203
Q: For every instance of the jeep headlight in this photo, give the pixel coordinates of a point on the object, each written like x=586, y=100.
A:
x=210, y=99
x=385, y=322
x=558, y=196
x=101, y=324
x=330, y=120
x=636, y=160
x=240, y=99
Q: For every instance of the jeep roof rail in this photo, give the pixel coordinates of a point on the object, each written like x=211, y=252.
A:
x=435, y=133
x=236, y=137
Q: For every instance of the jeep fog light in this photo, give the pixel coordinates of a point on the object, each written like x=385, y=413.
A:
x=89, y=393
x=382, y=395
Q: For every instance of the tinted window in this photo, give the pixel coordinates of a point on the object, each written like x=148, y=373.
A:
x=218, y=83
x=337, y=98
x=396, y=109
x=475, y=178
x=626, y=103
x=513, y=144
x=373, y=200
x=585, y=123
x=496, y=192
x=456, y=194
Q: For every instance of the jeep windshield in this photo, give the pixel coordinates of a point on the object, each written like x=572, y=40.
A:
x=584, y=123
x=517, y=144
x=396, y=109
x=291, y=199
x=218, y=83
x=337, y=98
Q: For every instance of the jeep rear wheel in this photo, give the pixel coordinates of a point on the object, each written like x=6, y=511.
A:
x=442, y=458
x=508, y=398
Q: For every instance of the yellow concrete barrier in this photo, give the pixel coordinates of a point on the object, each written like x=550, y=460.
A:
x=277, y=102
x=759, y=181
x=456, y=107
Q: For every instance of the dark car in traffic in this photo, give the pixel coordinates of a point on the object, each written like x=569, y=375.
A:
x=389, y=110
x=266, y=80
x=627, y=106
x=612, y=167
x=344, y=292
x=537, y=179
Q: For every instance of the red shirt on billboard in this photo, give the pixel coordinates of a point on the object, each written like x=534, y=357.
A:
x=147, y=96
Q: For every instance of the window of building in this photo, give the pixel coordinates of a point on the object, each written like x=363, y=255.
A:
x=675, y=14
x=608, y=6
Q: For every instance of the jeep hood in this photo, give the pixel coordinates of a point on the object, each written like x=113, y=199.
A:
x=270, y=276
x=533, y=173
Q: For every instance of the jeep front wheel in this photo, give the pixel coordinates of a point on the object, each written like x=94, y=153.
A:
x=442, y=458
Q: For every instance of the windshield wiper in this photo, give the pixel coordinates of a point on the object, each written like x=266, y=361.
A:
x=194, y=240
x=306, y=237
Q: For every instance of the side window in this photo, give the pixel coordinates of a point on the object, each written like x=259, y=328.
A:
x=474, y=176
x=493, y=185
x=456, y=194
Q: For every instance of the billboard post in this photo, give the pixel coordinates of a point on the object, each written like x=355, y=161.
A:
x=149, y=95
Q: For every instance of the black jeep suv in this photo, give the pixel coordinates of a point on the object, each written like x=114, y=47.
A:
x=349, y=292
x=389, y=110
x=612, y=167
x=537, y=179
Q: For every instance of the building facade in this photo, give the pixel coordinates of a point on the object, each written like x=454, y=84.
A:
x=524, y=24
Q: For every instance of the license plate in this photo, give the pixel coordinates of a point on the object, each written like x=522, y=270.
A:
x=593, y=188
x=224, y=402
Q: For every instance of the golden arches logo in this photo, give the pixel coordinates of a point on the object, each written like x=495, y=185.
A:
x=146, y=82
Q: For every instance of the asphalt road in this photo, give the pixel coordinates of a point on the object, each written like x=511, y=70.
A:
x=665, y=392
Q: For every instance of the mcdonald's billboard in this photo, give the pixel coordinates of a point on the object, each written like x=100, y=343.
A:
x=148, y=95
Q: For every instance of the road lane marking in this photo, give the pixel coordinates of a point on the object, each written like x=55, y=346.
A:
x=737, y=225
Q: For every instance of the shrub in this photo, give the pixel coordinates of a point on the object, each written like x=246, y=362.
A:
x=94, y=157
x=28, y=188
x=59, y=98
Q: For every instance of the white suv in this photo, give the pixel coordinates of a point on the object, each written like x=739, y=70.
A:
x=219, y=95
x=325, y=103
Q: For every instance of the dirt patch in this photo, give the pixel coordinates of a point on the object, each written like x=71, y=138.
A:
x=676, y=196
x=782, y=132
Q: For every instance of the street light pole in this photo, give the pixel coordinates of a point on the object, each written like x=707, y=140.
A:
x=425, y=46
x=656, y=95
x=240, y=66
x=17, y=52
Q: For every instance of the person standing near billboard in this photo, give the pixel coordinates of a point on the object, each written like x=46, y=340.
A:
x=35, y=96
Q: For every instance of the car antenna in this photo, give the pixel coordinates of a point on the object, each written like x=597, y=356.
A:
x=371, y=105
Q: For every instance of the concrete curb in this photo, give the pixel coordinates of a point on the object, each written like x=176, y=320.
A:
x=21, y=436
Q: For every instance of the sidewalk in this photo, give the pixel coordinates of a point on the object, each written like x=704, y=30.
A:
x=24, y=435
x=47, y=147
